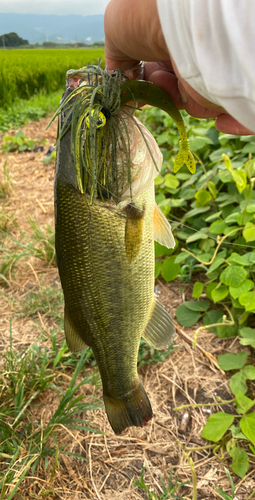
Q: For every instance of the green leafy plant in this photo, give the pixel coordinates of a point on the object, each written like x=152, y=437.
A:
x=222, y=430
x=19, y=142
x=237, y=362
x=168, y=491
x=213, y=214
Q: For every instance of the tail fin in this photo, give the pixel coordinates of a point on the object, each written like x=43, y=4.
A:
x=184, y=157
x=133, y=409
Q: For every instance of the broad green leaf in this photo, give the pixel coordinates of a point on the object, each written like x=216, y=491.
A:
x=250, y=208
x=176, y=202
x=213, y=217
x=249, y=232
x=196, y=211
x=197, y=236
x=230, y=229
x=236, y=432
x=159, y=197
x=243, y=288
x=183, y=176
x=171, y=181
x=197, y=305
x=228, y=201
x=165, y=206
x=217, y=262
x=197, y=143
x=187, y=317
x=217, y=155
x=249, y=148
x=212, y=189
x=226, y=331
x=247, y=425
x=181, y=257
x=232, y=217
x=188, y=193
x=182, y=235
x=159, y=180
x=250, y=256
x=244, y=218
x=217, y=425
x=158, y=265
x=238, y=259
x=212, y=317
x=161, y=250
x=249, y=372
x=240, y=463
x=231, y=361
x=197, y=289
x=238, y=383
x=233, y=276
x=203, y=197
x=209, y=289
x=240, y=179
x=169, y=269
x=248, y=335
x=248, y=301
x=219, y=293
x=218, y=227
x=225, y=176
x=243, y=404
x=248, y=332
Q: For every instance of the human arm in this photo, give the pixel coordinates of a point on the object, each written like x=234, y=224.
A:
x=134, y=32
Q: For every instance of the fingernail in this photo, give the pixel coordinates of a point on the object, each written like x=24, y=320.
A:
x=183, y=93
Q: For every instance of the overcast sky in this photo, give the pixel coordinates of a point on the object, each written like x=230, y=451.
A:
x=60, y=7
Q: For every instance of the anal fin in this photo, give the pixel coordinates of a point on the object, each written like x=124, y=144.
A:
x=73, y=339
x=162, y=229
x=160, y=330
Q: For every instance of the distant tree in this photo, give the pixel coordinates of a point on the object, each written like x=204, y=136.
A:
x=97, y=44
x=50, y=45
x=12, y=40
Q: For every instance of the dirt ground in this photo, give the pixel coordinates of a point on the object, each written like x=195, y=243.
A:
x=186, y=377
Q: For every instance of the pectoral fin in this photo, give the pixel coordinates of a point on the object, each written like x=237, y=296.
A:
x=162, y=229
x=133, y=231
x=160, y=330
x=73, y=339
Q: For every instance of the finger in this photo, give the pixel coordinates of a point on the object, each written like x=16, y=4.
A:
x=227, y=124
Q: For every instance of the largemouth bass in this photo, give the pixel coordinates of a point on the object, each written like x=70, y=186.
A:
x=106, y=224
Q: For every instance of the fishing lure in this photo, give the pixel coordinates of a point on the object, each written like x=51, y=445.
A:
x=95, y=107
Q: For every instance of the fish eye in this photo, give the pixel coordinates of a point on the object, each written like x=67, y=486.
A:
x=101, y=120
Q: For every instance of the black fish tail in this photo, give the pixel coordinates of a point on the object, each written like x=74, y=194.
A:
x=133, y=409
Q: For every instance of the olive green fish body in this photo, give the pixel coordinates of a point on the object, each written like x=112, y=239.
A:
x=108, y=298
x=106, y=222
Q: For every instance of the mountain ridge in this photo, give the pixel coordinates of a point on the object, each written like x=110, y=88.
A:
x=39, y=28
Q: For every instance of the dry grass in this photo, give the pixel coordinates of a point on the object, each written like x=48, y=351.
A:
x=186, y=377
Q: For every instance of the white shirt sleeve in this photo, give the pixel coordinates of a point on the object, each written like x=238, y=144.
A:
x=213, y=45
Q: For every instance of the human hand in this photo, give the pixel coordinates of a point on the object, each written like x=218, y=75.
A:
x=133, y=33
